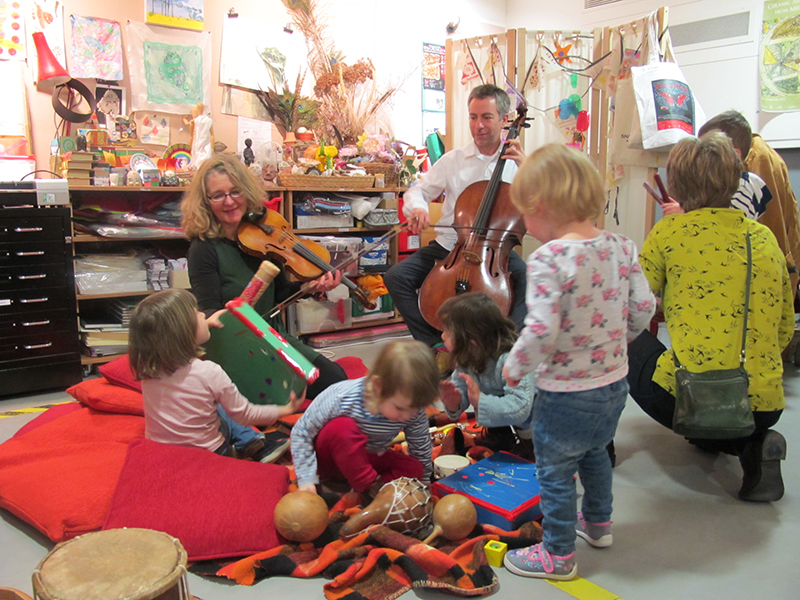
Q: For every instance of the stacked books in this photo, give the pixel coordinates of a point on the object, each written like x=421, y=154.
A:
x=76, y=167
x=122, y=308
x=103, y=334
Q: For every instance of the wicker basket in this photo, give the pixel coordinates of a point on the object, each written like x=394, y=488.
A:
x=389, y=172
x=319, y=182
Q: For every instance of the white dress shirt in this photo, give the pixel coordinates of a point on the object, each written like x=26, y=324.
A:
x=452, y=174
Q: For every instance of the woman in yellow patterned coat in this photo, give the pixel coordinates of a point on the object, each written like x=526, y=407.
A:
x=697, y=263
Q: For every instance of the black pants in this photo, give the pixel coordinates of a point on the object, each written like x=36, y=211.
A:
x=643, y=353
x=405, y=278
x=329, y=373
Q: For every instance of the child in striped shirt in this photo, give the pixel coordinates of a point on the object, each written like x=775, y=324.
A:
x=346, y=432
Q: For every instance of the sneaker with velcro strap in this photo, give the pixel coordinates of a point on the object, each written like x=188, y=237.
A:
x=597, y=534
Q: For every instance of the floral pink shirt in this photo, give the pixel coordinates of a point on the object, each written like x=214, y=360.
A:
x=586, y=299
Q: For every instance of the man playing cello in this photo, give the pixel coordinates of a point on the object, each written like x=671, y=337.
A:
x=488, y=106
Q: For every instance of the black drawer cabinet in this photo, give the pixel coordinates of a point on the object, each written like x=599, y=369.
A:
x=39, y=347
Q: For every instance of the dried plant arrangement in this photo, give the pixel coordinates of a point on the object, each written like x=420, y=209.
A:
x=290, y=109
x=349, y=96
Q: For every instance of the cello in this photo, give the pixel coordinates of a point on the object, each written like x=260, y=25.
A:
x=269, y=236
x=488, y=227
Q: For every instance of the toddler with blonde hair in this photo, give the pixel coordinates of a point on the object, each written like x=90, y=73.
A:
x=586, y=295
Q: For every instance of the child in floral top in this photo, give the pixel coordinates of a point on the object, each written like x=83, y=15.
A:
x=586, y=297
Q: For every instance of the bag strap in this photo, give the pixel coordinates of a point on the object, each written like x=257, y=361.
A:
x=746, y=308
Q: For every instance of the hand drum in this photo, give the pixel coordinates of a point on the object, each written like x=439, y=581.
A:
x=403, y=505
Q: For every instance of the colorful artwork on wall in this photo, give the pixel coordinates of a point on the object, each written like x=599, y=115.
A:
x=170, y=69
x=780, y=56
x=12, y=31
x=96, y=50
x=183, y=14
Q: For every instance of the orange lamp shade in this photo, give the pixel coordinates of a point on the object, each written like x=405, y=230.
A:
x=51, y=73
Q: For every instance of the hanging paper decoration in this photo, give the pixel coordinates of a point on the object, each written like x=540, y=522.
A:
x=469, y=71
x=562, y=52
x=96, y=50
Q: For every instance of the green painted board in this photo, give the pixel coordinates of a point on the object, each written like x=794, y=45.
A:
x=262, y=364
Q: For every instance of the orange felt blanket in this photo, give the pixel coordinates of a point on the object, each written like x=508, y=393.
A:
x=380, y=563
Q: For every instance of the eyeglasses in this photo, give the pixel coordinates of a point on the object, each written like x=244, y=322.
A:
x=220, y=196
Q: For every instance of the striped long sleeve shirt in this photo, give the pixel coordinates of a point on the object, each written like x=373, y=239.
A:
x=346, y=399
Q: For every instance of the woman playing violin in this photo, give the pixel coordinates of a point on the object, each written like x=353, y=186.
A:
x=222, y=192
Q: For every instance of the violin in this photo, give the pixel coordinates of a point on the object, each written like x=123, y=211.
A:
x=488, y=226
x=269, y=236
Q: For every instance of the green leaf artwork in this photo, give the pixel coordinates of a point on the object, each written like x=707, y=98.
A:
x=174, y=74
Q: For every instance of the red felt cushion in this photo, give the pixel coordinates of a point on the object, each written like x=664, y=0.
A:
x=49, y=415
x=216, y=506
x=99, y=394
x=60, y=476
x=118, y=372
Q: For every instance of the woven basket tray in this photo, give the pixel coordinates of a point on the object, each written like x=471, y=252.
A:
x=318, y=182
x=390, y=175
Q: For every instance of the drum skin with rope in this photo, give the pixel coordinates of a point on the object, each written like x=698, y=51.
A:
x=116, y=564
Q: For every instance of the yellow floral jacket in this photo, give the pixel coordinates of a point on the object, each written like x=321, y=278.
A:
x=697, y=263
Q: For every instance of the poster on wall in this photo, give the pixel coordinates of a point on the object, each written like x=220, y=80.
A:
x=170, y=69
x=780, y=56
x=96, y=48
x=182, y=14
x=110, y=103
x=259, y=56
x=12, y=31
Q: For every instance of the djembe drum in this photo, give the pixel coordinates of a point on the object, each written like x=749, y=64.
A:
x=404, y=505
x=129, y=564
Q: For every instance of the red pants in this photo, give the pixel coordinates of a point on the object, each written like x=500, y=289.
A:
x=341, y=454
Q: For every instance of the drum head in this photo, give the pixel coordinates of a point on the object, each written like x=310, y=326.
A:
x=135, y=564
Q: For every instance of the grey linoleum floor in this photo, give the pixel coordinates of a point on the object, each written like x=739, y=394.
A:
x=679, y=531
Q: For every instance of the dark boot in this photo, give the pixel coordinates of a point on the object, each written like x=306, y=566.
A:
x=524, y=449
x=761, y=463
x=496, y=439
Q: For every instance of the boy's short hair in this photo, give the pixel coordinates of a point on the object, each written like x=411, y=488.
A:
x=487, y=90
x=703, y=172
x=733, y=124
x=405, y=367
x=564, y=179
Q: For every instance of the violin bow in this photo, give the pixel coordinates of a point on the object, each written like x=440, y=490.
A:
x=304, y=289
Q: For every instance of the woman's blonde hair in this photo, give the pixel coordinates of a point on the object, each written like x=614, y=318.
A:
x=404, y=367
x=561, y=178
x=703, y=172
x=198, y=218
x=480, y=332
x=163, y=334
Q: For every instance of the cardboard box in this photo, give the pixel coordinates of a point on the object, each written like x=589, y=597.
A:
x=503, y=487
x=409, y=243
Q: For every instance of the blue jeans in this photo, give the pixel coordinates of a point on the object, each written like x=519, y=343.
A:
x=238, y=435
x=405, y=278
x=571, y=432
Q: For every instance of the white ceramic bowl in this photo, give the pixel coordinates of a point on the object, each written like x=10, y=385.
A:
x=449, y=464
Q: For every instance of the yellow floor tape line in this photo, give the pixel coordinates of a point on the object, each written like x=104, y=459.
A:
x=28, y=411
x=583, y=589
